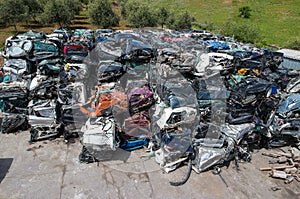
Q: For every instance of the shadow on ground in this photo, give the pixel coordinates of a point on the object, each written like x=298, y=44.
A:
x=5, y=164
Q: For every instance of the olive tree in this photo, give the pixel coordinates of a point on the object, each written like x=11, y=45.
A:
x=183, y=21
x=162, y=16
x=13, y=11
x=101, y=14
x=35, y=8
x=74, y=6
x=139, y=14
x=56, y=11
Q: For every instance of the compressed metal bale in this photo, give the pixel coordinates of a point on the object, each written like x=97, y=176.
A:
x=11, y=123
x=41, y=132
x=208, y=157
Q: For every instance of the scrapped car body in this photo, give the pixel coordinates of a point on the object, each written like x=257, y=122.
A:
x=17, y=46
x=109, y=71
x=43, y=120
x=44, y=49
x=290, y=104
x=106, y=102
x=76, y=72
x=293, y=86
x=75, y=52
x=103, y=34
x=17, y=67
x=99, y=133
x=98, y=140
x=174, y=117
x=10, y=122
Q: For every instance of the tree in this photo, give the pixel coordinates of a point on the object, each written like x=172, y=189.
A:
x=171, y=20
x=143, y=17
x=101, y=14
x=35, y=8
x=56, y=11
x=74, y=6
x=129, y=7
x=184, y=21
x=13, y=11
x=245, y=12
x=162, y=16
x=139, y=14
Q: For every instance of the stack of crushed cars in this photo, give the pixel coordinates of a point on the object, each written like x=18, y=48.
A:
x=43, y=82
x=189, y=97
x=119, y=108
x=16, y=74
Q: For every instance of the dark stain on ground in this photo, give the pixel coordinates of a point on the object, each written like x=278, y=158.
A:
x=151, y=187
x=33, y=149
x=64, y=169
x=71, y=140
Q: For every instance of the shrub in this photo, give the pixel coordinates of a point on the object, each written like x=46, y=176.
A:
x=241, y=32
x=183, y=21
x=294, y=45
x=244, y=12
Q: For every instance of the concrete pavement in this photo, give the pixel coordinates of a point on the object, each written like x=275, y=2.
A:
x=51, y=169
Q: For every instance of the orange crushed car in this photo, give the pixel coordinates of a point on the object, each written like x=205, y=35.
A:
x=106, y=98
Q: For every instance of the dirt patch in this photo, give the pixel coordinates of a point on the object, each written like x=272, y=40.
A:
x=228, y=2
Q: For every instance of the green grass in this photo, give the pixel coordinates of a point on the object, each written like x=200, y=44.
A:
x=278, y=21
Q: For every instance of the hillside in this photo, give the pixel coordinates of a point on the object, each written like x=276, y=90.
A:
x=277, y=20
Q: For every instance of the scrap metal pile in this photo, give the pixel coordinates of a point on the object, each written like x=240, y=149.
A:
x=190, y=98
x=285, y=165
